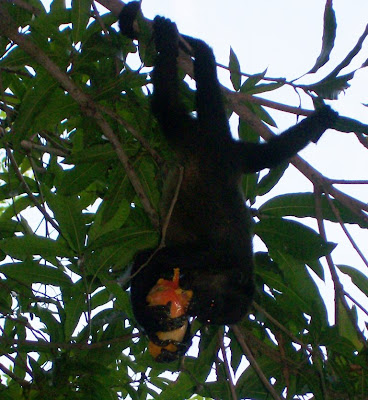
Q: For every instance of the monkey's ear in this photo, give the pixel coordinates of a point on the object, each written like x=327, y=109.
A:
x=127, y=17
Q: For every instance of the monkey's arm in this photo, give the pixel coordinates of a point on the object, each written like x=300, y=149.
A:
x=257, y=156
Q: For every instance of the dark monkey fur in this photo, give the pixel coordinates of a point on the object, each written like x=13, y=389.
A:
x=209, y=237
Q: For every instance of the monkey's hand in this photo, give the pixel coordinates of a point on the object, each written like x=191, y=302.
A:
x=127, y=17
x=322, y=119
x=166, y=36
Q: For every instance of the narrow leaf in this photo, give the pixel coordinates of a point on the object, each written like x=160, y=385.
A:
x=359, y=279
x=331, y=86
x=80, y=18
x=293, y=238
x=33, y=102
x=234, y=66
x=30, y=272
x=77, y=179
x=328, y=38
x=69, y=215
x=21, y=247
x=303, y=205
x=249, y=85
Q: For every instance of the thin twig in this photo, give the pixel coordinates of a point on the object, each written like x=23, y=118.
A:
x=356, y=302
x=253, y=362
x=22, y=364
x=28, y=145
x=281, y=327
x=226, y=364
x=142, y=140
x=349, y=182
x=29, y=192
x=172, y=205
x=165, y=224
x=26, y=6
x=347, y=233
x=66, y=346
x=338, y=288
x=269, y=103
x=100, y=21
x=15, y=378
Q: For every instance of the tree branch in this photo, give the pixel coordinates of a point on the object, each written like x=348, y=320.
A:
x=28, y=190
x=220, y=338
x=338, y=287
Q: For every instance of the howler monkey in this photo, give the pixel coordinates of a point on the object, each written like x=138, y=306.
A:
x=206, y=268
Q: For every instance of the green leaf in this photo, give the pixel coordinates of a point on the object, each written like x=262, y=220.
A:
x=346, y=327
x=261, y=112
x=128, y=237
x=58, y=107
x=328, y=39
x=22, y=247
x=33, y=102
x=359, y=279
x=5, y=300
x=271, y=179
x=15, y=188
x=331, y=86
x=249, y=85
x=80, y=17
x=75, y=305
x=77, y=179
x=71, y=220
x=299, y=281
x=17, y=59
x=303, y=205
x=102, y=226
x=53, y=326
x=246, y=132
x=234, y=67
x=117, y=193
x=18, y=205
x=147, y=176
x=30, y=272
x=249, y=186
x=9, y=227
x=266, y=87
x=92, y=154
x=354, y=51
x=293, y=238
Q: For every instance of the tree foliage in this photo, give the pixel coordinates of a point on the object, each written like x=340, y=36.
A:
x=83, y=165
